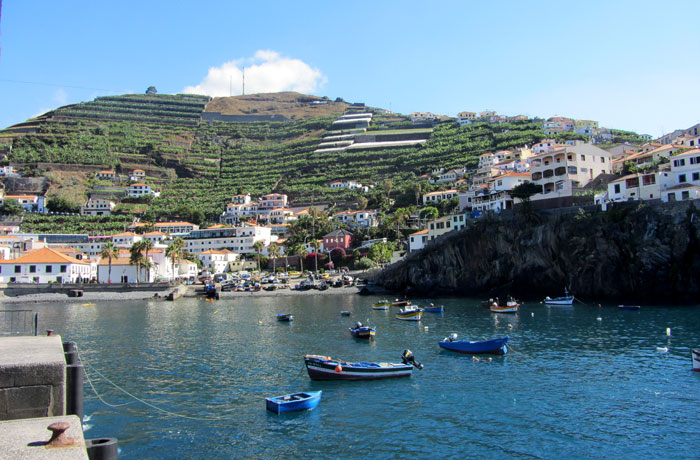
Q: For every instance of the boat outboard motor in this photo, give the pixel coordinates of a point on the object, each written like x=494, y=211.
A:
x=408, y=358
x=358, y=324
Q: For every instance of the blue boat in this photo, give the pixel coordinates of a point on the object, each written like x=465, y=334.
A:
x=565, y=300
x=294, y=402
x=285, y=317
x=362, y=332
x=434, y=308
x=492, y=347
x=326, y=368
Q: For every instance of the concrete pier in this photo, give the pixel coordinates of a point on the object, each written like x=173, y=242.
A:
x=27, y=439
x=32, y=377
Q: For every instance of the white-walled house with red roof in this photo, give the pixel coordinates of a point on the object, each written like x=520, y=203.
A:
x=44, y=265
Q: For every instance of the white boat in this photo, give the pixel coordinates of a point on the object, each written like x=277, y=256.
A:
x=566, y=300
x=410, y=313
x=510, y=307
x=695, y=353
x=381, y=305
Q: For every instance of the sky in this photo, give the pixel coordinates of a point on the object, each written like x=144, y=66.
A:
x=629, y=65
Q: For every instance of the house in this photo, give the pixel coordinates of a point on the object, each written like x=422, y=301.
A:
x=585, y=127
x=349, y=184
x=8, y=171
x=139, y=189
x=154, y=237
x=237, y=239
x=577, y=164
x=487, y=114
x=120, y=270
x=30, y=203
x=486, y=160
x=337, y=239
x=423, y=117
x=237, y=212
x=272, y=201
x=681, y=192
x=360, y=218
x=137, y=175
x=465, y=118
x=544, y=146
x=450, y=176
x=556, y=125
x=439, y=226
x=241, y=199
x=417, y=241
x=107, y=175
x=488, y=199
x=436, y=197
x=169, y=228
x=217, y=261
x=688, y=140
x=635, y=187
x=508, y=180
x=125, y=239
x=97, y=207
x=43, y=266
x=646, y=157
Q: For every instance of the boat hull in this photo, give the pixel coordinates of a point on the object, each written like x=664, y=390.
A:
x=492, y=347
x=285, y=317
x=506, y=309
x=401, y=303
x=629, y=307
x=437, y=309
x=410, y=316
x=324, y=368
x=559, y=300
x=363, y=332
x=381, y=305
x=293, y=402
x=696, y=359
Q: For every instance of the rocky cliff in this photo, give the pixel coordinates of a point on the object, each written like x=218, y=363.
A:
x=648, y=253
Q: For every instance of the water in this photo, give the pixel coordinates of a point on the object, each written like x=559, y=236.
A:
x=581, y=382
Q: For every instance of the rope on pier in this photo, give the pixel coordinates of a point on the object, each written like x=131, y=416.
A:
x=146, y=403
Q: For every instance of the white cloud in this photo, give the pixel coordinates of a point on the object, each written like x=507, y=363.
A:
x=60, y=96
x=266, y=72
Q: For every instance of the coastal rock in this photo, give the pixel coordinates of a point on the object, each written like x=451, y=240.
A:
x=641, y=253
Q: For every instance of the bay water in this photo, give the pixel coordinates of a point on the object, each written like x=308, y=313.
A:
x=578, y=382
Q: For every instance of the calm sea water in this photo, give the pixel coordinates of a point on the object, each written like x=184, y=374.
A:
x=581, y=382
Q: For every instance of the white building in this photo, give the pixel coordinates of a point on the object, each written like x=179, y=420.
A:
x=97, y=207
x=137, y=175
x=43, y=266
x=30, y=203
x=217, y=261
x=418, y=240
x=576, y=165
x=436, y=197
x=237, y=239
x=139, y=189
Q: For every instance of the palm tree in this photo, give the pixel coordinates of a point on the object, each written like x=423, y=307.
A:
x=301, y=252
x=316, y=244
x=146, y=245
x=110, y=252
x=274, y=252
x=137, y=258
x=174, y=252
x=258, y=246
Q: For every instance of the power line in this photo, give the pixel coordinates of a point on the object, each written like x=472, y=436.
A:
x=54, y=84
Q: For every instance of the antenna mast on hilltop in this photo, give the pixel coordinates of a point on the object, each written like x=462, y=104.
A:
x=243, y=81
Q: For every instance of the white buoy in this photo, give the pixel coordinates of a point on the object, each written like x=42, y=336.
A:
x=599, y=318
x=426, y=328
x=668, y=331
x=533, y=314
x=662, y=349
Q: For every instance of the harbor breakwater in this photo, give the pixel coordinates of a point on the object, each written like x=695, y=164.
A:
x=641, y=253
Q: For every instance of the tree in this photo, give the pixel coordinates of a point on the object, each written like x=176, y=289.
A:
x=449, y=206
x=388, y=185
x=337, y=256
x=301, y=252
x=417, y=190
x=110, y=252
x=365, y=263
x=137, y=258
x=258, y=246
x=362, y=202
x=274, y=252
x=174, y=252
x=316, y=244
x=381, y=252
x=11, y=208
x=429, y=213
x=60, y=204
x=151, y=90
x=524, y=192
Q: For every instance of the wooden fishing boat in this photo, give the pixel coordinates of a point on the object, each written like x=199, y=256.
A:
x=695, y=353
x=629, y=307
x=509, y=307
x=362, y=332
x=285, y=317
x=326, y=368
x=401, y=303
x=381, y=305
x=434, y=308
x=293, y=402
x=410, y=313
x=493, y=346
x=566, y=300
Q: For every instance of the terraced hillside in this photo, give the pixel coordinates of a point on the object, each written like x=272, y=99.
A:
x=200, y=165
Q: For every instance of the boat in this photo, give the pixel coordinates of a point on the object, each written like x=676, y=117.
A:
x=326, y=368
x=401, y=303
x=345, y=313
x=434, y=308
x=410, y=313
x=381, y=305
x=695, y=353
x=629, y=307
x=510, y=307
x=566, y=300
x=293, y=402
x=285, y=317
x=362, y=332
x=492, y=347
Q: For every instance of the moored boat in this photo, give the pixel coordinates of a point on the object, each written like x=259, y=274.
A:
x=434, y=308
x=410, y=313
x=629, y=307
x=293, y=402
x=565, y=300
x=695, y=353
x=381, y=305
x=285, y=317
x=510, y=307
x=493, y=346
x=401, y=303
x=345, y=313
x=362, y=332
x=326, y=368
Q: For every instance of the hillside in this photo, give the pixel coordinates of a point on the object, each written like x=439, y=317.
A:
x=200, y=165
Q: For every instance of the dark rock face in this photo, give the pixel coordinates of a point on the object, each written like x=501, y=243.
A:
x=647, y=253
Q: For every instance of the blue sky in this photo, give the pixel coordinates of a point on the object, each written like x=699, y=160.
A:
x=629, y=65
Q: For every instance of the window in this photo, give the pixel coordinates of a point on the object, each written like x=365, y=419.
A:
x=679, y=163
x=49, y=268
x=696, y=176
x=672, y=196
x=583, y=157
x=18, y=269
x=602, y=160
x=64, y=268
x=617, y=188
x=681, y=178
x=685, y=195
x=32, y=269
